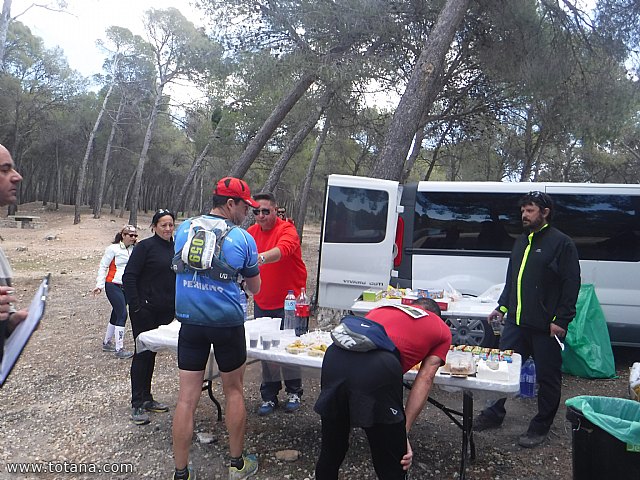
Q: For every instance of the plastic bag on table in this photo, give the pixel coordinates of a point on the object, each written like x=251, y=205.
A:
x=634, y=382
x=587, y=350
x=452, y=293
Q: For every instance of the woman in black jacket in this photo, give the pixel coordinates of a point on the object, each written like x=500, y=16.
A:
x=149, y=287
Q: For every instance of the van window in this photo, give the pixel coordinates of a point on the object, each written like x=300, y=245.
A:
x=356, y=215
x=466, y=221
x=603, y=227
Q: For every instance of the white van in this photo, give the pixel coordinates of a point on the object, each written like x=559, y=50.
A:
x=430, y=234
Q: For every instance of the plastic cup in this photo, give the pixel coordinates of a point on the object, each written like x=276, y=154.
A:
x=254, y=336
x=266, y=340
x=496, y=325
x=493, y=361
x=275, y=340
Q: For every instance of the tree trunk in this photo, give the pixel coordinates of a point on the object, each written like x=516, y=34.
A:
x=306, y=185
x=5, y=18
x=114, y=196
x=124, y=198
x=414, y=101
x=296, y=141
x=58, y=179
x=87, y=153
x=415, y=151
x=250, y=153
x=97, y=211
x=135, y=195
x=194, y=168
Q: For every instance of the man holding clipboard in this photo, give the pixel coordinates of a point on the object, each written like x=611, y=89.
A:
x=9, y=316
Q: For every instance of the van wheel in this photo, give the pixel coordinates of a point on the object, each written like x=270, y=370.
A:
x=471, y=331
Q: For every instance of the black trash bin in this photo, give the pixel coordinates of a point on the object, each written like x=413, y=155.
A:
x=597, y=454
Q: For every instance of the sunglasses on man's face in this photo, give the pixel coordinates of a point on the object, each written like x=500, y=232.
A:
x=263, y=211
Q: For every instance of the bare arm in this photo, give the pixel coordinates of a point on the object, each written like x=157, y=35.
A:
x=252, y=284
x=271, y=256
x=417, y=398
x=421, y=388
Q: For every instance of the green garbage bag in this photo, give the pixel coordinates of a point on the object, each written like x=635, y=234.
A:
x=587, y=350
x=618, y=417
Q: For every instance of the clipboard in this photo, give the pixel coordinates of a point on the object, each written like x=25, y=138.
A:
x=18, y=339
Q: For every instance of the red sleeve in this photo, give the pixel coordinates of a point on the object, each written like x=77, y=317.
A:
x=288, y=240
x=441, y=348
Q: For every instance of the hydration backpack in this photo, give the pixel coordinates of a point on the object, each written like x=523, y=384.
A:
x=202, y=252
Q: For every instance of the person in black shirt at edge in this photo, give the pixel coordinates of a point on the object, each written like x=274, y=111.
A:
x=150, y=289
x=538, y=302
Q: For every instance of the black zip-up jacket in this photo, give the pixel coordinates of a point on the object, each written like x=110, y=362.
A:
x=543, y=280
x=148, y=279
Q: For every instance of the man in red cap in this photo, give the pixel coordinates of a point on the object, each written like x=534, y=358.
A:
x=209, y=308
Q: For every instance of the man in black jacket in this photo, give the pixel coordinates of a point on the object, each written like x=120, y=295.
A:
x=537, y=304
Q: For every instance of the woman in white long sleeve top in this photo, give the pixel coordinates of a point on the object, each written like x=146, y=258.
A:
x=109, y=279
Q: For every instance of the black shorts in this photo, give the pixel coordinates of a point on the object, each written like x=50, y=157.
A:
x=363, y=388
x=195, y=341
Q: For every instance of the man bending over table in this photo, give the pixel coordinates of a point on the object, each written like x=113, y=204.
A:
x=365, y=389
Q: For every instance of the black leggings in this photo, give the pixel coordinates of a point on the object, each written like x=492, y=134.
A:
x=388, y=444
x=143, y=363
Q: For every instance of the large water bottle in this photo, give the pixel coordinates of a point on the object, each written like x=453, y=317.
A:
x=289, y=321
x=528, y=379
x=302, y=313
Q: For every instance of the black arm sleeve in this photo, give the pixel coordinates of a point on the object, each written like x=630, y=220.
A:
x=132, y=273
x=569, y=270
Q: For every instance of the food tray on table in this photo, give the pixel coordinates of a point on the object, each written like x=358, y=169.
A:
x=314, y=344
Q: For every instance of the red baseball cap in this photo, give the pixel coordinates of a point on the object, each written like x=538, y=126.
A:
x=236, y=188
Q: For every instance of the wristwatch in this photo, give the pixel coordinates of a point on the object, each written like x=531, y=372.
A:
x=261, y=259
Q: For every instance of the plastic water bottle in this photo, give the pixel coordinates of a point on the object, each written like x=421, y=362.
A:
x=528, y=379
x=302, y=313
x=243, y=303
x=289, y=311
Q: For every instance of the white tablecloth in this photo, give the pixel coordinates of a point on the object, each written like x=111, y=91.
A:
x=166, y=338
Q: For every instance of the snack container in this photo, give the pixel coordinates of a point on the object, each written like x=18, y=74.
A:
x=372, y=295
x=409, y=299
x=461, y=363
x=435, y=293
x=443, y=306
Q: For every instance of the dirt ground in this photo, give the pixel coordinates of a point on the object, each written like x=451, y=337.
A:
x=67, y=401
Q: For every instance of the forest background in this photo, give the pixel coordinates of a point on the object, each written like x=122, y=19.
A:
x=487, y=90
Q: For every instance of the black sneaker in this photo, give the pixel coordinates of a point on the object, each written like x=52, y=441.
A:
x=139, y=416
x=530, y=439
x=123, y=354
x=155, y=407
x=485, y=422
x=192, y=474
